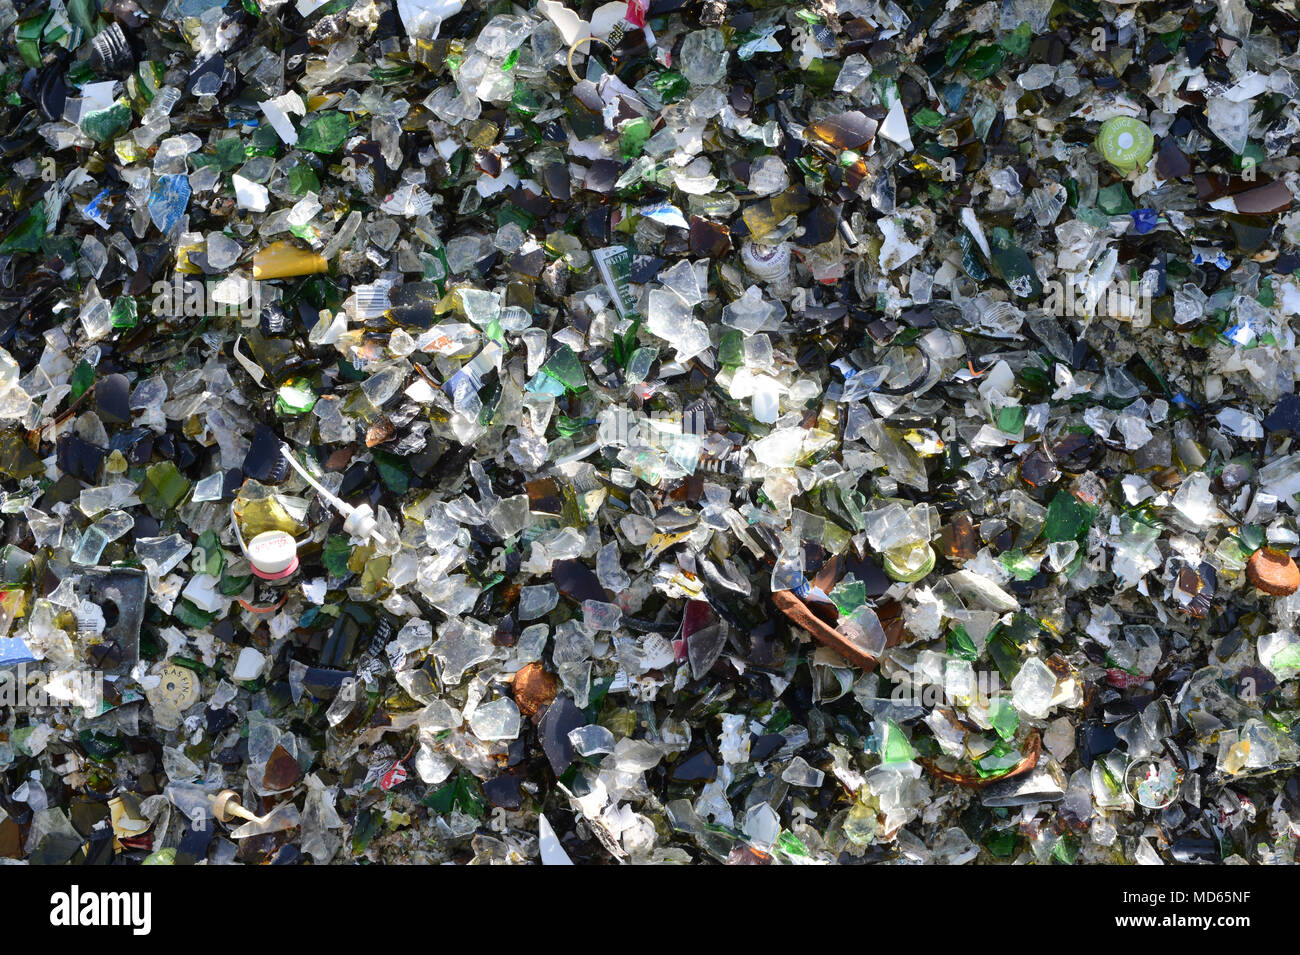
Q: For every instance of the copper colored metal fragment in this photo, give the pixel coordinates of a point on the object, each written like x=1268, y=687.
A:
x=1033, y=745
x=1273, y=572
x=801, y=616
x=534, y=688
x=381, y=429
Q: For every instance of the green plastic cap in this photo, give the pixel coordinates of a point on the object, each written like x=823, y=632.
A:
x=1125, y=142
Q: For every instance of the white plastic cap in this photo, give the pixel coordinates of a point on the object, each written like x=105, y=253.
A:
x=361, y=522
x=272, y=553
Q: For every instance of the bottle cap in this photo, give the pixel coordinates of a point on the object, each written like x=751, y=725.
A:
x=770, y=263
x=1125, y=142
x=179, y=687
x=273, y=555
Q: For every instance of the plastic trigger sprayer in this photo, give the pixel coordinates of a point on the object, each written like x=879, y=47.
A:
x=359, y=521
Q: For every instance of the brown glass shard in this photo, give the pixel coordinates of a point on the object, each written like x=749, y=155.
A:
x=1172, y=162
x=802, y=616
x=544, y=496
x=709, y=238
x=282, y=770
x=1263, y=200
x=958, y=538
x=850, y=130
x=1210, y=185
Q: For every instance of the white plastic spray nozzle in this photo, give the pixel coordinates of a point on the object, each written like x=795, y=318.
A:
x=358, y=521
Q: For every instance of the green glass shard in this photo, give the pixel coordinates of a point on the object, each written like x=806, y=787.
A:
x=191, y=616
x=633, y=136
x=1005, y=654
x=393, y=471
x=230, y=152
x=1017, y=41
x=564, y=367
x=1000, y=759
x=335, y=554
x=821, y=75
x=27, y=237
x=1001, y=843
x=1018, y=564
x=17, y=460
x=1003, y=716
x=302, y=180
x=984, y=62
x=1017, y=270
x=296, y=396
x=849, y=595
x=125, y=312
x=894, y=747
x=28, y=37
x=961, y=645
x=103, y=125
x=83, y=376
x=927, y=118
x=524, y=100
x=670, y=85
x=731, y=350
x=214, y=558
x=789, y=843
x=264, y=142
x=82, y=14
x=1068, y=518
x=163, y=488
x=958, y=47
x=1065, y=851
x=1011, y=419
x=325, y=132
x=1114, y=200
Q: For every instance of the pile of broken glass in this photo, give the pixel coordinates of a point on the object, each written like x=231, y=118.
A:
x=672, y=431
